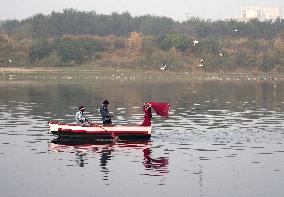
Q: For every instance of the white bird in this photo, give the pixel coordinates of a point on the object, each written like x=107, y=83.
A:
x=201, y=63
x=195, y=42
x=10, y=60
x=163, y=67
x=235, y=29
x=219, y=53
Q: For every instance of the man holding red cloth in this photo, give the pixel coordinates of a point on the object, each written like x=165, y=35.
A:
x=161, y=109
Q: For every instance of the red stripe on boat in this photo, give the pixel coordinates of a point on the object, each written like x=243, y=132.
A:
x=102, y=132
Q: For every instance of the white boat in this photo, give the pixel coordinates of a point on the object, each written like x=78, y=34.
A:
x=110, y=132
x=98, y=132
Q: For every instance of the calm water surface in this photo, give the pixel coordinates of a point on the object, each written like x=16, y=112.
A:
x=223, y=138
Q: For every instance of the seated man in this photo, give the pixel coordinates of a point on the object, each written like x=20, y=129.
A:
x=80, y=117
x=106, y=116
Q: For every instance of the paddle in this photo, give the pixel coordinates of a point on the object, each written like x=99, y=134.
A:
x=113, y=136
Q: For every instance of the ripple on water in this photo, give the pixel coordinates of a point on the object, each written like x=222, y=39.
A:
x=33, y=141
x=257, y=147
x=158, y=146
x=203, y=158
x=169, y=150
x=205, y=150
x=40, y=152
x=183, y=148
x=266, y=153
x=184, y=144
x=238, y=146
x=219, y=144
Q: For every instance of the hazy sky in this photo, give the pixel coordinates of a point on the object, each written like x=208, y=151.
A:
x=176, y=9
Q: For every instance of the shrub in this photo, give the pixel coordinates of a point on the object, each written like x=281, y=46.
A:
x=269, y=61
x=179, y=41
x=78, y=51
x=39, y=50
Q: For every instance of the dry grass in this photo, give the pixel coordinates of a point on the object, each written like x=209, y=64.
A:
x=26, y=70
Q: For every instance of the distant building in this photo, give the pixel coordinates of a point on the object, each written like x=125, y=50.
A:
x=260, y=13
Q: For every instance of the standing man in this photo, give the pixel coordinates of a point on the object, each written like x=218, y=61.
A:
x=106, y=116
x=148, y=115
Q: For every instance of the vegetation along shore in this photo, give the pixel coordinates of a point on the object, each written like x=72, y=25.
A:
x=86, y=39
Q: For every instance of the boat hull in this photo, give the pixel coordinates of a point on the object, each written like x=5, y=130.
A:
x=98, y=132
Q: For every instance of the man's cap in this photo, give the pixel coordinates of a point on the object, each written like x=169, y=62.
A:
x=81, y=107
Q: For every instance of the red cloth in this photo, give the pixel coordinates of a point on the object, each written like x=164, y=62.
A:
x=162, y=109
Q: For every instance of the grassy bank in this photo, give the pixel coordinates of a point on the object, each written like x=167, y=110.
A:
x=144, y=53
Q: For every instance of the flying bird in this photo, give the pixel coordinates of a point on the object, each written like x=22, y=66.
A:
x=195, y=42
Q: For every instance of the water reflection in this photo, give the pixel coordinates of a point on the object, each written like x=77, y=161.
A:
x=82, y=151
x=159, y=164
x=105, y=157
x=80, y=158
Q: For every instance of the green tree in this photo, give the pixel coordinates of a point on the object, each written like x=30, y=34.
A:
x=178, y=41
x=39, y=50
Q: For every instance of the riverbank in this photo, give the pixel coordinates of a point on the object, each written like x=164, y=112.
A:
x=124, y=73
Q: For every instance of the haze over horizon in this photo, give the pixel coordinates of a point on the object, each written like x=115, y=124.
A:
x=180, y=10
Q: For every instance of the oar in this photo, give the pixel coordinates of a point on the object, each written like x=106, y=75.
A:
x=113, y=136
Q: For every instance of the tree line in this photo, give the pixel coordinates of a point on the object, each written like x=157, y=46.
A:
x=75, y=22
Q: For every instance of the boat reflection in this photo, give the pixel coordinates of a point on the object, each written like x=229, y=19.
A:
x=68, y=145
x=154, y=166
x=159, y=164
x=80, y=159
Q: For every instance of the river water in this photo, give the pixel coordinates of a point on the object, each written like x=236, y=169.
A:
x=223, y=137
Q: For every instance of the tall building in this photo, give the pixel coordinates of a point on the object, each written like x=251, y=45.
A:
x=260, y=13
